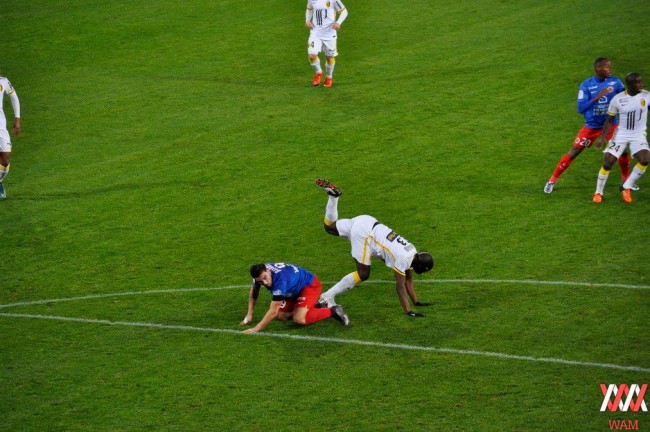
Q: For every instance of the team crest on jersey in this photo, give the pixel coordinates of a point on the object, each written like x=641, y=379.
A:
x=1, y=88
x=328, y=4
x=642, y=103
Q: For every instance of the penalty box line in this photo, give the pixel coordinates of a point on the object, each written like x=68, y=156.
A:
x=335, y=340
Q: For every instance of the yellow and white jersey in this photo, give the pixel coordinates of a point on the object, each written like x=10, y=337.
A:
x=392, y=248
x=5, y=88
x=369, y=238
x=324, y=15
x=633, y=116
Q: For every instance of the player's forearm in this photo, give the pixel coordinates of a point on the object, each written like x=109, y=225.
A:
x=607, y=126
x=585, y=106
x=403, y=298
x=270, y=315
x=251, y=306
x=410, y=289
x=343, y=15
x=15, y=104
x=309, y=14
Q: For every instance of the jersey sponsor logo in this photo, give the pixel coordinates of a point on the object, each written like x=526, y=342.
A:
x=276, y=292
x=392, y=236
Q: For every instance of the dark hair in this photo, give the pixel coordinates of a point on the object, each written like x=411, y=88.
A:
x=600, y=60
x=632, y=77
x=423, y=262
x=257, y=269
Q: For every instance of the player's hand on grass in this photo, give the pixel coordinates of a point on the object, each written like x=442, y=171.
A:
x=423, y=304
x=247, y=320
x=414, y=314
x=250, y=330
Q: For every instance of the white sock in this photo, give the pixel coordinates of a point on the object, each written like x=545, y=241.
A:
x=329, y=69
x=316, y=66
x=602, y=180
x=331, y=210
x=635, y=175
x=346, y=284
x=4, y=170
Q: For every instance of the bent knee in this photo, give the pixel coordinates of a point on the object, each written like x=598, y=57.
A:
x=331, y=228
x=363, y=275
x=300, y=319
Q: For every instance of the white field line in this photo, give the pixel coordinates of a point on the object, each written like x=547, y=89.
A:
x=334, y=340
x=534, y=282
x=424, y=281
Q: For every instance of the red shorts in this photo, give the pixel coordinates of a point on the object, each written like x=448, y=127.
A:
x=306, y=299
x=587, y=136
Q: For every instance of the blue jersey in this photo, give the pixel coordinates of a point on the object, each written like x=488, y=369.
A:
x=287, y=280
x=595, y=112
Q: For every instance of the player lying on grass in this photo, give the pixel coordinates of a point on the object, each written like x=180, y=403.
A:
x=295, y=292
x=369, y=238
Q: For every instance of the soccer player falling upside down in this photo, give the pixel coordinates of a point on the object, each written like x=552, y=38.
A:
x=320, y=19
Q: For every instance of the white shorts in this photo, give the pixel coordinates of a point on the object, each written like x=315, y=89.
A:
x=326, y=46
x=617, y=147
x=5, y=143
x=357, y=230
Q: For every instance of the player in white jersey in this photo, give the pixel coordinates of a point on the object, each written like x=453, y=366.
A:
x=369, y=239
x=632, y=108
x=320, y=19
x=5, y=140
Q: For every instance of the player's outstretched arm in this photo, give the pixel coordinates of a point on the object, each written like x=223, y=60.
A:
x=271, y=314
x=603, y=135
x=252, y=299
x=400, y=285
x=410, y=289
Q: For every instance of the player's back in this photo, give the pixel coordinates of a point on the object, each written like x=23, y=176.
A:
x=288, y=279
x=394, y=249
x=633, y=114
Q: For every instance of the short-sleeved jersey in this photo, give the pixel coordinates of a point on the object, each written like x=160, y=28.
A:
x=633, y=115
x=5, y=88
x=395, y=250
x=324, y=16
x=595, y=113
x=287, y=280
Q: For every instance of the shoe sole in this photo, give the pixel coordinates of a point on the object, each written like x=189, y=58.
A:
x=329, y=187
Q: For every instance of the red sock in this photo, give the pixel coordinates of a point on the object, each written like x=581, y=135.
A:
x=316, y=314
x=624, y=163
x=565, y=162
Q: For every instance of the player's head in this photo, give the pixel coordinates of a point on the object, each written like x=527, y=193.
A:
x=261, y=274
x=603, y=67
x=422, y=262
x=634, y=83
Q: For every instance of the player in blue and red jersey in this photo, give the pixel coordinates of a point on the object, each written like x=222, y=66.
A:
x=295, y=292
x=594, y=97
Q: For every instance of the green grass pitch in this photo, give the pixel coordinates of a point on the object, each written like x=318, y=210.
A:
x=167, y=146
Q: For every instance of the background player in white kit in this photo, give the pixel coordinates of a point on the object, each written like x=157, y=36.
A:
x=370, y=238
x=5, y=140
x=320, y=19
x=632, y=108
